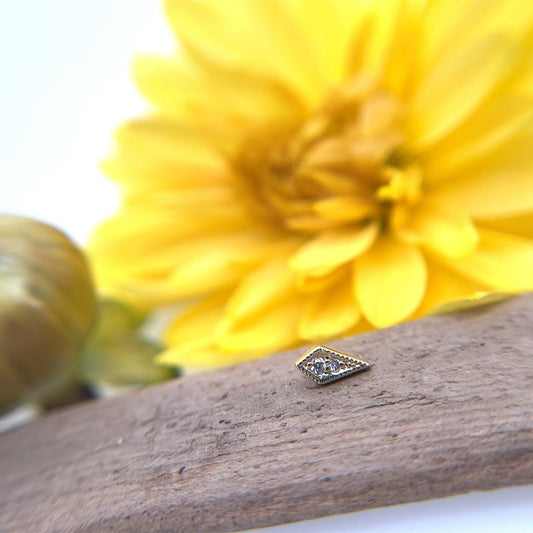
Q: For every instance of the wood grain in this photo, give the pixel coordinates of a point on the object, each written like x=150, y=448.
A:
x=447, y=409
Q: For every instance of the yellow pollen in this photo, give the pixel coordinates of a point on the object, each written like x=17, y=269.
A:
x=403, y=185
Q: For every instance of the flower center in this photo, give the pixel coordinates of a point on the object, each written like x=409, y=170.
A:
x=344, y=165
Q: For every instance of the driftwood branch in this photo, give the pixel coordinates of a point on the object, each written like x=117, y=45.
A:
x=447, y=409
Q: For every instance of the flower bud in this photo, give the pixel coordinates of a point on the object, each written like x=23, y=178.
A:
x=47, y=309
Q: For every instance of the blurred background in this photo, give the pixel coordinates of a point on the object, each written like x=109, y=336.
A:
x=65, y=87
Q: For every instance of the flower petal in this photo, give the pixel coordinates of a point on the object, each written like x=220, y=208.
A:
x=262, y=36
x=444, y=286
x=345, y=208
x=306, y=282
x=373, y=39
x=161, y=242
x=521, y=225
x=187, y=91
x=202, y=354
x=196, y=266
x=475, y=300
x=333, y=248
x=275, y=330
x=498, y=185
x=322, y=22
x=168, y=84
x=441, y=102
x=442, y=228
x=399, y=61
x=217, y=263
x=328, y=314
x=191, y=338
x=337, y=182
x=503, y=262
x=137, y=172
x=198, y=322
x=498, y=120
x=164, y=139
x=156, y=243
x=390, y=281
x=261, y=289
x=448, y=27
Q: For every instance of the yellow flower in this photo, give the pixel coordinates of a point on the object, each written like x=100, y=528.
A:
x=316, y=168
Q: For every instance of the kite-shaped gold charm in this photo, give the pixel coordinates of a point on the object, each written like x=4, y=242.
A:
x=325, y=365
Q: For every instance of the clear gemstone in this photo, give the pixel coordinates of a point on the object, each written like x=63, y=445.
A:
x=318, y=365
x=334, y=365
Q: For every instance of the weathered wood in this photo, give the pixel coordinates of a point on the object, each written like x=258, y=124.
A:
x=447, y=409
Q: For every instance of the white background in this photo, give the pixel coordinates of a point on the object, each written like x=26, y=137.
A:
x=64, y=86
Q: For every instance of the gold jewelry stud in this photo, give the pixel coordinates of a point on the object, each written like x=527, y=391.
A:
x=325, y=365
